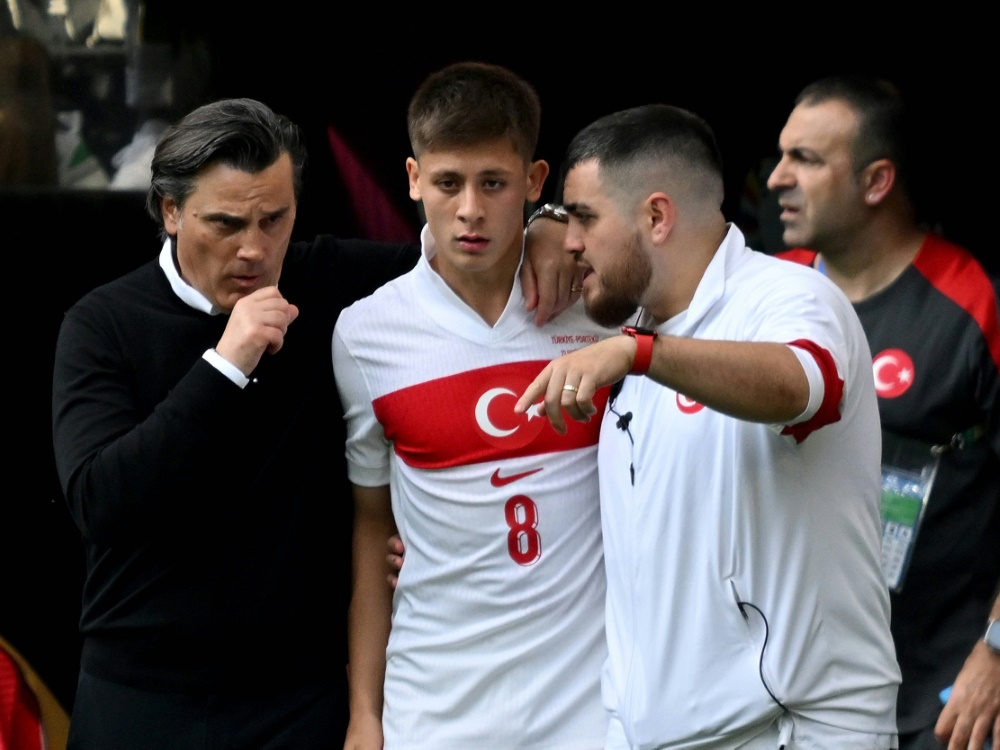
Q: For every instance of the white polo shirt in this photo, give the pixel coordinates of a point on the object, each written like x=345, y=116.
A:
x=736, y=532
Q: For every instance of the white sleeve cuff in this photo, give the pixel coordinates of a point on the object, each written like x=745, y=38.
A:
x=226, y=367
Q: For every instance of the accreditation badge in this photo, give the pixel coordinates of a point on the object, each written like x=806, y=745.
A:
x=908, y=471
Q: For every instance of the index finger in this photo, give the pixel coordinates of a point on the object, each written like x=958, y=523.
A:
x=534, y=390
x=550, y=384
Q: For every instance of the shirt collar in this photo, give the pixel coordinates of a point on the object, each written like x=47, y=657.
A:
x=428, y=249
x=187, y=293
x=712, y=286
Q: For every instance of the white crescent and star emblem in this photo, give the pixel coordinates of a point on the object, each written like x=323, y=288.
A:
x=893, y=372
x=496, y=421
x=483, y=415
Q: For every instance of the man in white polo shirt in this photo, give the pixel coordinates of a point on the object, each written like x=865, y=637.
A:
x=738, y=461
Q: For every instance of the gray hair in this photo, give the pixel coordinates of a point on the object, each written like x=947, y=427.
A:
x=241, y=133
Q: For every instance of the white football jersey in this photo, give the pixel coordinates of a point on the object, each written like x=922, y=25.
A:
x=497, y=636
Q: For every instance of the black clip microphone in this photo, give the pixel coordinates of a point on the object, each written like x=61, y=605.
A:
x=623, y=420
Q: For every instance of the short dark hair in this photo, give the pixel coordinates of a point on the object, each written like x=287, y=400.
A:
x=467, y=103
x=241, y=133
x=628, y=142
x=878, y=105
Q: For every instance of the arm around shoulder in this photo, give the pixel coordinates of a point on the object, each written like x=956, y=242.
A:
x=358, y=266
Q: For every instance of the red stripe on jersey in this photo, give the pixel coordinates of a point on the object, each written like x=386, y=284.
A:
x=469, y=418
x=955, y=273
x=833, y=392
x=798, y=255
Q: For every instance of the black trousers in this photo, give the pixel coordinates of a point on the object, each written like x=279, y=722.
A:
x=111, y=716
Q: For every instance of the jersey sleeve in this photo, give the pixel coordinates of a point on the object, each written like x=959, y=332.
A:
x=366, y=448
x=805, y=311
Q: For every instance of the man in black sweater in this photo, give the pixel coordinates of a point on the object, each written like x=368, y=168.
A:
x=200, y=447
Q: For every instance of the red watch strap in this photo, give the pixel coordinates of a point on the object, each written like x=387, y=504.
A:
x=643, y=348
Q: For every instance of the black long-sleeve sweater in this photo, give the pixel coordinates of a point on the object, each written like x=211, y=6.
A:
x=216, y=520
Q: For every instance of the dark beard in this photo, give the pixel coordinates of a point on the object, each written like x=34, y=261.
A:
x=621, y=288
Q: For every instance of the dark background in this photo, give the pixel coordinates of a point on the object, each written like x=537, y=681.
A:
x=357, y=79
x=742, y=79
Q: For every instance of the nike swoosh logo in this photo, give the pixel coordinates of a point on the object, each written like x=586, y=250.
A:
x=498, y=481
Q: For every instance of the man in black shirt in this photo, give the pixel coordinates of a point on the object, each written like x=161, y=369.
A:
x=930, y=313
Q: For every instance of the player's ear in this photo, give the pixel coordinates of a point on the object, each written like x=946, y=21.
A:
x=413, y=173
x=537, y=172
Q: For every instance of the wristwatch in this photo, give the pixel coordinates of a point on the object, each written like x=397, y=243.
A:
x=644, y=338
x=992, y=636
x=549, y=211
